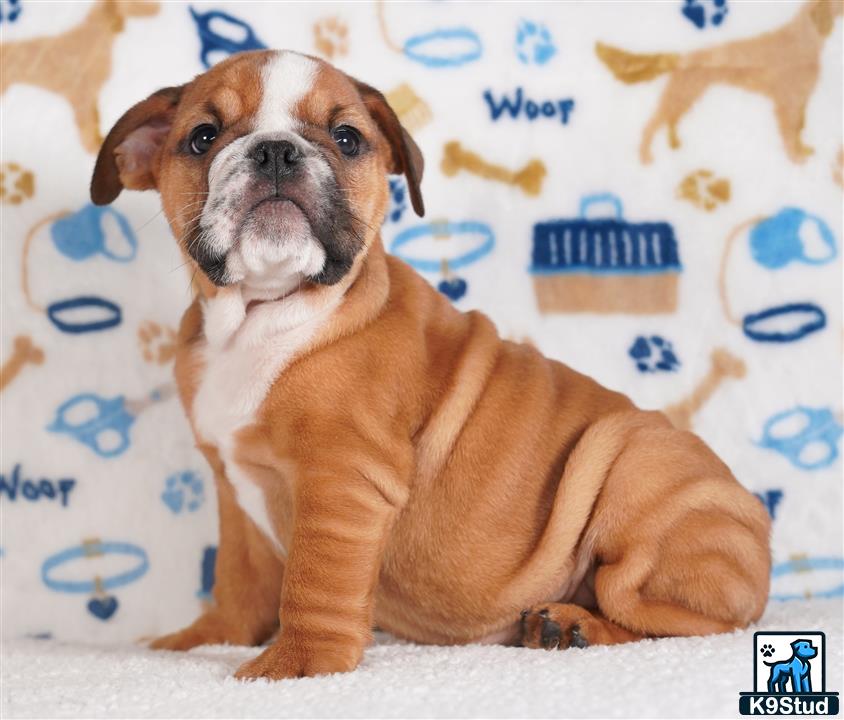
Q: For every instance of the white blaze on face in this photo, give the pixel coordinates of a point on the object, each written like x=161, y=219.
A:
x=271, y=257
x=287, y=78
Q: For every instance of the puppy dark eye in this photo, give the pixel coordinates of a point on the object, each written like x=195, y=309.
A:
x=347, y=139
x=201, y=138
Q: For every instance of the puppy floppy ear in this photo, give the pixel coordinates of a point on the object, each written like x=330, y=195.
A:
x=130, y=154
x=407, y=157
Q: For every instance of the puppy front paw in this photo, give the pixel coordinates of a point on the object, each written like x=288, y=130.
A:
x=289, y=658
x=206, y=630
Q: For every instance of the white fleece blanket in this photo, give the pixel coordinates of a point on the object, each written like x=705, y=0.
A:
x=676, y=677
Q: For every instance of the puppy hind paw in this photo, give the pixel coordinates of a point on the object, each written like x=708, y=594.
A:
x=542, y=629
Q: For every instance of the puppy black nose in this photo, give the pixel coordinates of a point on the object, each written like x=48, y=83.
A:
x=274, y=158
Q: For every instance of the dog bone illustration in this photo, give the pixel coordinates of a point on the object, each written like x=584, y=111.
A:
x=724, y=365
x=529, y=178
x=24, y=352
x=411, y=109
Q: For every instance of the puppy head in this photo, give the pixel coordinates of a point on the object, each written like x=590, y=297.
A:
x=804, y=649
x=823, y=14
x=271, y=168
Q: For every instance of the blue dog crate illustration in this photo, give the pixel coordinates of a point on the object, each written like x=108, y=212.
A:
x=605, y=265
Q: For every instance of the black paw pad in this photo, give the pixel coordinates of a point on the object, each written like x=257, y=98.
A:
x=550, y=634
x=577, y=640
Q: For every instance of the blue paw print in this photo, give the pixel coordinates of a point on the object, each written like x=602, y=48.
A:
x=9, y=10
x=398, y=193
x=701, y=12
x=534, y=45
x=653, y=354
x=183, y=491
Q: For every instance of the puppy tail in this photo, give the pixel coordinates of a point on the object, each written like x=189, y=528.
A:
x=632, y=67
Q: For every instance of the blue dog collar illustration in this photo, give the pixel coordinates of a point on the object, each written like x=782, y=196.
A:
x=94, y=549
x=61, y=314
x=753, y=324
x=774, y=243
x=79, y=236
x=466, y=48
x=809, y=566
x=465, y=227
x=439, y=48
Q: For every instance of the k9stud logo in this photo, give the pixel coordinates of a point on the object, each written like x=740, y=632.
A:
x=789, y=676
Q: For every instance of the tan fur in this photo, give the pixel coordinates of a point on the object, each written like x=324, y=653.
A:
x=783, y=64
x=54, y=62
x=432, y=479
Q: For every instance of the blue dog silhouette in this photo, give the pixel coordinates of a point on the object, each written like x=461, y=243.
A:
x=796, y=669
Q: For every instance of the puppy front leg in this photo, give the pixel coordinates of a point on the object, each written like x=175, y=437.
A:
x=340, y=529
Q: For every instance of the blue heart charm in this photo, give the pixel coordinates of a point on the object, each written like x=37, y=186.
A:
x=103, y=607
x=454, y=288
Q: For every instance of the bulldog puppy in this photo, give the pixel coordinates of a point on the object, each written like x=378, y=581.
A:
x=382, y=459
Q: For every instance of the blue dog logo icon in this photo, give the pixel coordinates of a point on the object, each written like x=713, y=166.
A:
x=789, y=675
x=796, y=670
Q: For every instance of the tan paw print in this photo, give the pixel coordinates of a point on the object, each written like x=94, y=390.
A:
x=703, y=190
x=16, y=183
x=331, y=37
x=158, y=343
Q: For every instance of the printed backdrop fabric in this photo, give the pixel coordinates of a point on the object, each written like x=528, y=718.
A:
x=650, y=192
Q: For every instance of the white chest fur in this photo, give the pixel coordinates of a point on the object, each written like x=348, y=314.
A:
x=244, y=355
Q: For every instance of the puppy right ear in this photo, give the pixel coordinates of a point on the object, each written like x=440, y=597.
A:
x=130, y=155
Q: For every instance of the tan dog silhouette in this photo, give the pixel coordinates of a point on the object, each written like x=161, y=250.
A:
x=782, y=64
x=76, y=63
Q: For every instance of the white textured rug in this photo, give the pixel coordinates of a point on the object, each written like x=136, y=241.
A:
x=678, y=677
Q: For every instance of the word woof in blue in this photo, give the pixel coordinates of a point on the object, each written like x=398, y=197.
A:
x=15, y=486
x=519, y=106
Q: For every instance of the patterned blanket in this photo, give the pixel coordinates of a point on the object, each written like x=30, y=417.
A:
x=649, y=192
